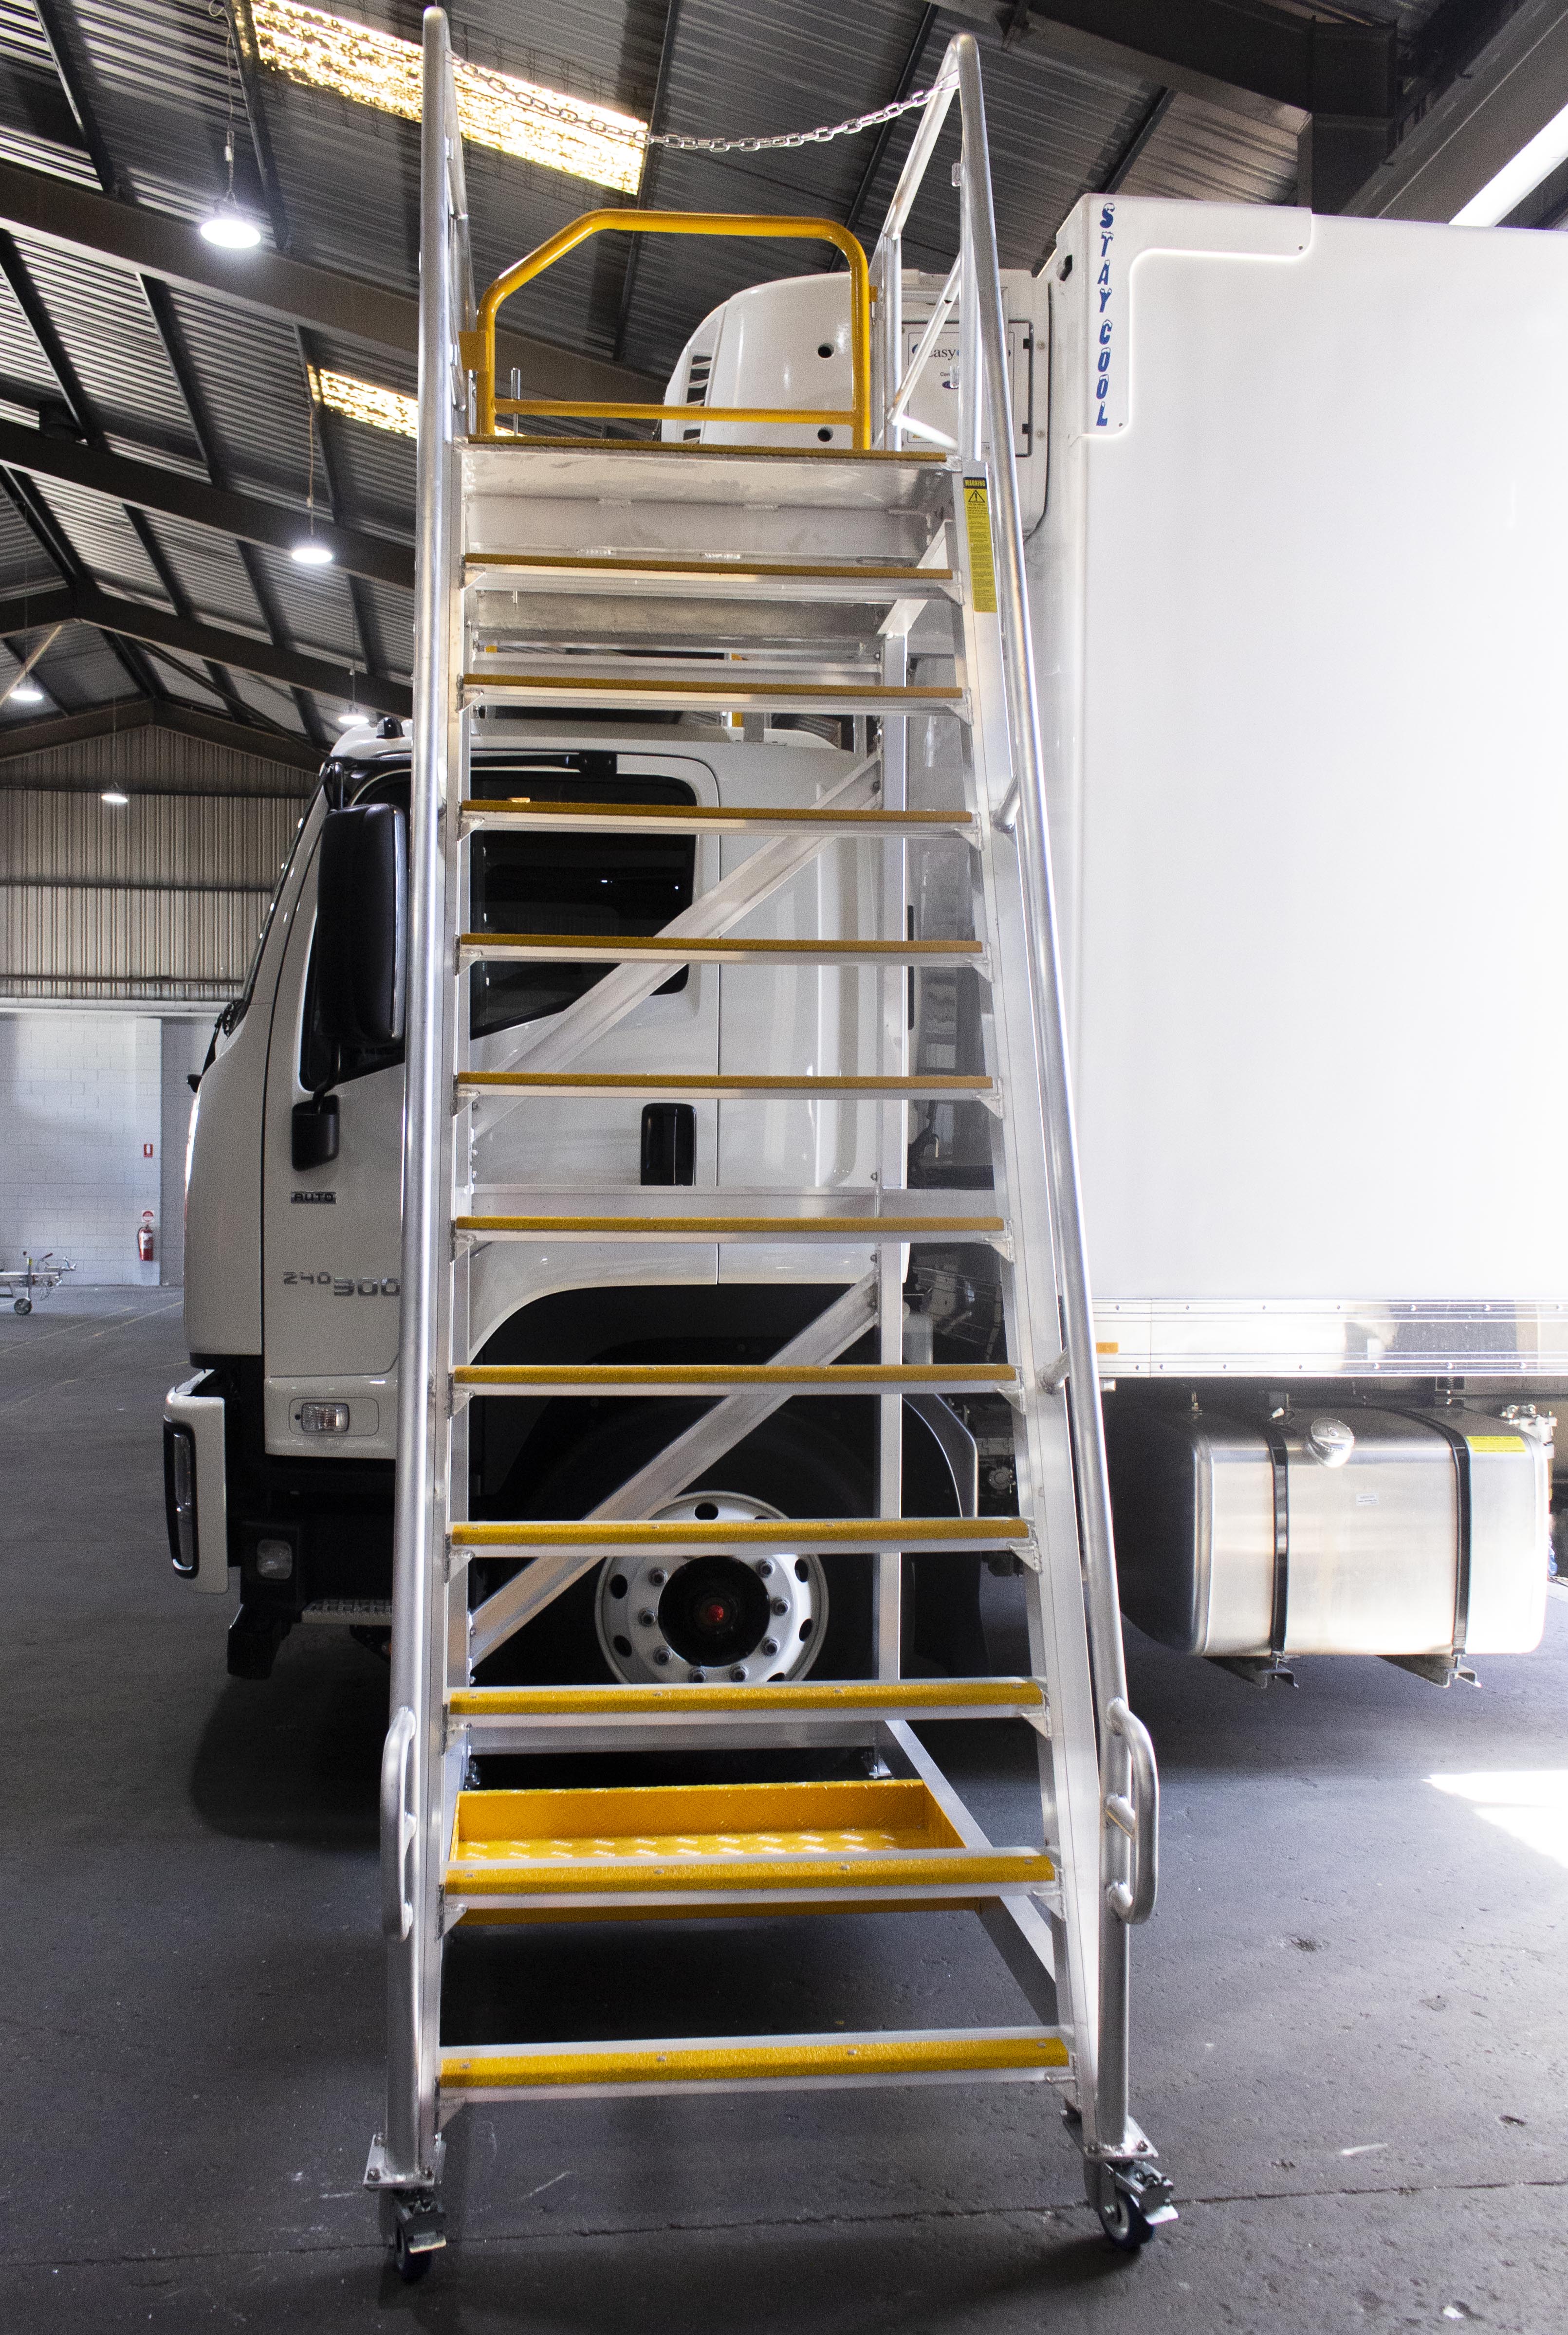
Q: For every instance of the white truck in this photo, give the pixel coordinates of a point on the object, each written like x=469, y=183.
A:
x=1297, y=490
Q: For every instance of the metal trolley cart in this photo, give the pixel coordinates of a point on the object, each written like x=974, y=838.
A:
x=44, y=1272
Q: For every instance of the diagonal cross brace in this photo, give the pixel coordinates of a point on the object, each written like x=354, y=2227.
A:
x=680, y=1464
x=719, y=910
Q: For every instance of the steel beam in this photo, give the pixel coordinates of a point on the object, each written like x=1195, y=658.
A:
x=161, y=628
x=1507, y=93
x=19, y=739
x=246, y=518
x=150, y=243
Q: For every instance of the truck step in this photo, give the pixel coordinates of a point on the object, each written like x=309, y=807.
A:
x=560, y=1851
x=692, y=1537
x=517, y=815
x=597, y=2070
x=906, y=1699
x=944, y=1087
x=823, y=1231
x=621, y=948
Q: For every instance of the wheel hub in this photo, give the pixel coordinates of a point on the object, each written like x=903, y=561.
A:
x=725, y=1615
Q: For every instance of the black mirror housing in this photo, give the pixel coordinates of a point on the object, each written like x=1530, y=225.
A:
x=313, y=1132
x=362, y=925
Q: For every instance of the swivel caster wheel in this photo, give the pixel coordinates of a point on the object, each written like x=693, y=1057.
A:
x=1132, y=2201
x=411, y=2266
x=415, y=2229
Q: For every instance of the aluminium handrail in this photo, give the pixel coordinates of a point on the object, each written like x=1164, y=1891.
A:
x=478, y=347
x=411, y=1861
x=1127, y=1757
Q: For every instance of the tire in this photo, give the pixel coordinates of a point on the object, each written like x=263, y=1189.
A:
x=783, y=1463
x=410, y=2267
x=22, y=1306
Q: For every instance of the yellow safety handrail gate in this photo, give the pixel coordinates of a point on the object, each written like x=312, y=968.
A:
x=478, y=346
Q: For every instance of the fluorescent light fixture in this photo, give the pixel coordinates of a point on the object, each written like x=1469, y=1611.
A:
x=230, y=229
x=1519, y=177
x=112, y=795
x=519, y=117
x=311, y=552
x=365, y=401
x=26, y=693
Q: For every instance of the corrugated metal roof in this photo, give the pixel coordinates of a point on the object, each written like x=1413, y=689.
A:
x=155, y=80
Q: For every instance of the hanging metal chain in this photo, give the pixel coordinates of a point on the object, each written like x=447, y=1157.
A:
x=790, y=137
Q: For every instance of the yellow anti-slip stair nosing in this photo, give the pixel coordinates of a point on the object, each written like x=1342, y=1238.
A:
x=839, y=1374
x=829, y=1695
x=830, y=1232
x=740, y=691
x=799, y=1532
x=756, y=2058
x=631, y=948
x=961, y=1869
x=616, y=1082
x=692, y=814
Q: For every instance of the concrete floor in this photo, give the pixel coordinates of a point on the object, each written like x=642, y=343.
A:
x=1351, y=2008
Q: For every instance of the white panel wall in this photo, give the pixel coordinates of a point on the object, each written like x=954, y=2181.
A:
x=81, y=1107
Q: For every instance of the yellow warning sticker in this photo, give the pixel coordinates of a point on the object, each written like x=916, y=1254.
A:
x=1108, y=1346
x=982, y=569
x=1496, y=1442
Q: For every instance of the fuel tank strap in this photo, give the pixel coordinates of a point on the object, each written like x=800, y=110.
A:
x=1460, y=1448
x=1279, y=1459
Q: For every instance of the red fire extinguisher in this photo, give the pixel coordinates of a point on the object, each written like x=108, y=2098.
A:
x=144, y=1237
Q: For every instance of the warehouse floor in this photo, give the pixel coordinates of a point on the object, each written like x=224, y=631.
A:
x=1352, y=2015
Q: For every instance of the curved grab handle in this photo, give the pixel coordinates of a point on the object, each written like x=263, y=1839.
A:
x=1138, y=1817
x=398, y=1825
x=478, y=347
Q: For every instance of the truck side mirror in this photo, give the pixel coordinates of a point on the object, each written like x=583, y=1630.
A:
x=360, y=926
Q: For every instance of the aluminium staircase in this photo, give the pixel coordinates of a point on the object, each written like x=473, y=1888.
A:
x=822, y=561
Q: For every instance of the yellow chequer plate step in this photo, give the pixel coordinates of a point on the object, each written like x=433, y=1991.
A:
x=903, y=1697
x=790, y=1533
x=505, y=2071
x=621, y=948
x=849, y=1232
x=695, y=1839
x=726, y=1377
x=680, y=819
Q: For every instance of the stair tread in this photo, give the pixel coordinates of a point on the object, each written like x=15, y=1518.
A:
x=630, y=1839
x=735, y=692
x=879, y=2053
x=832, y=1695
x=719, y=1376
x=679, y=817
x=720, y=570
x=793, y=1531
x=827, y=1230
x=594, y=1082
x=565, y=947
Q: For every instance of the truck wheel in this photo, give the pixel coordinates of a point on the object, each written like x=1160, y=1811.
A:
x=782, y=1469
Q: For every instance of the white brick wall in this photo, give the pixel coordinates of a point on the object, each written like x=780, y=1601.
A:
x=81, y=1135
